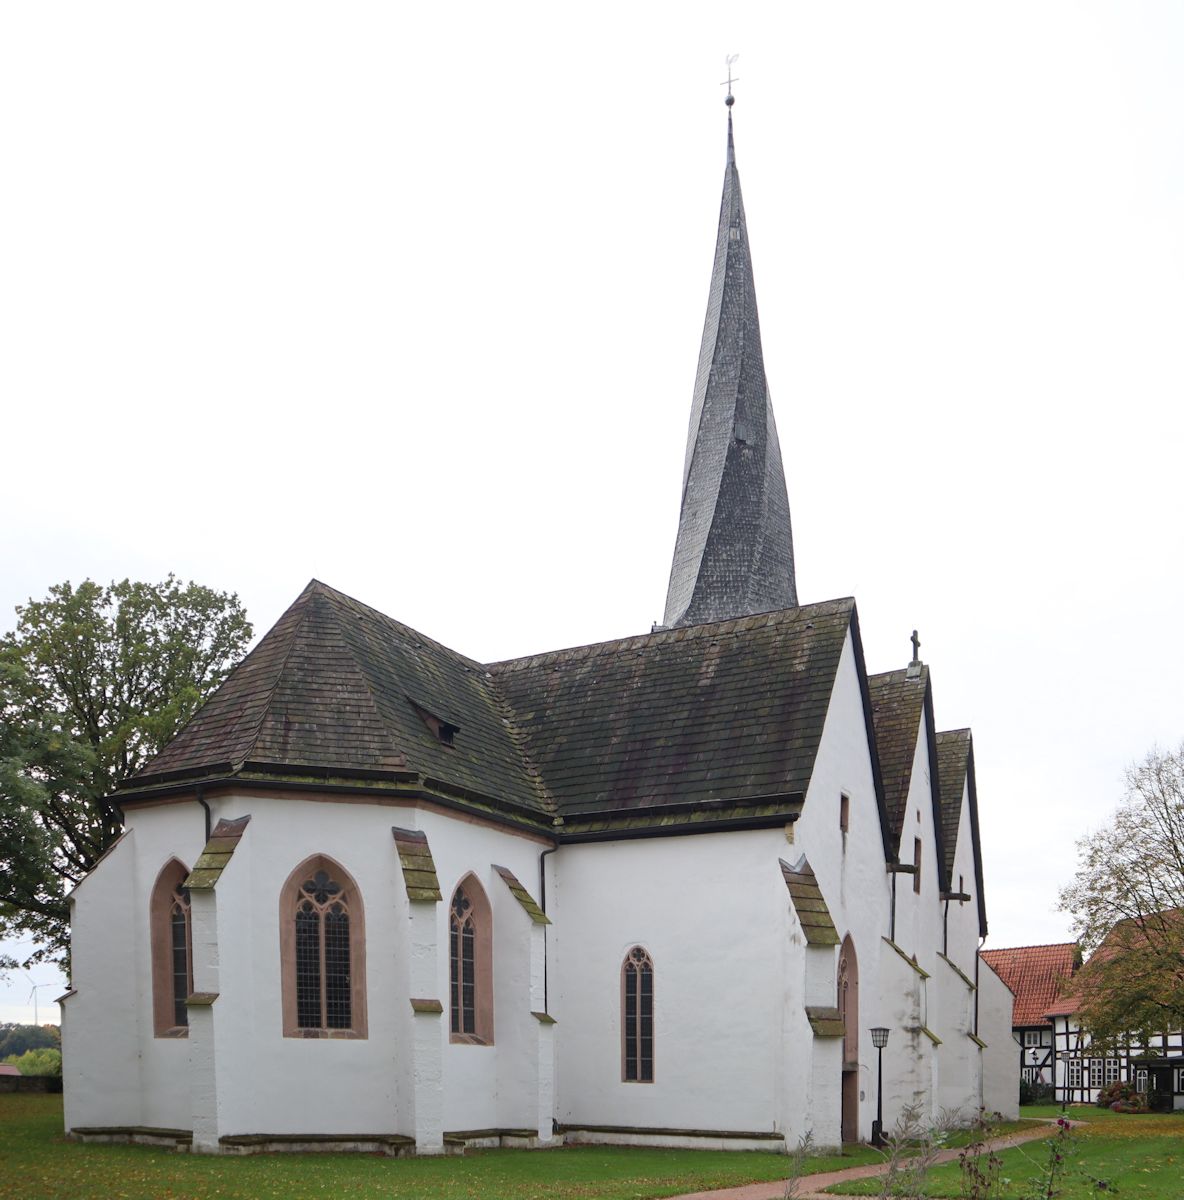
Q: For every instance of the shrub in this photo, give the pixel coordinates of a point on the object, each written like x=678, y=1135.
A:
x=1037, y=1093
x=43, y=1061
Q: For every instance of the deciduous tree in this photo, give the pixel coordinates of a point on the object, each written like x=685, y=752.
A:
x=93, y=681
x=1127, y=901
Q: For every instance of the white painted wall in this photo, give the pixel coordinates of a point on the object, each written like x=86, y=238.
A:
x=101, y=1021
x=1000, y=1063
x=706, y=908
x=850, y=870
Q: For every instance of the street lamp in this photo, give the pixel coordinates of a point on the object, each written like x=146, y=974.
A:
x=879, y=1040
x=1064, y=1056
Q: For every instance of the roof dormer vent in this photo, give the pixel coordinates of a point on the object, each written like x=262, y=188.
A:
x=443, y=731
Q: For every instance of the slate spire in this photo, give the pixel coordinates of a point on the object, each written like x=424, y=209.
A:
x=734, y=552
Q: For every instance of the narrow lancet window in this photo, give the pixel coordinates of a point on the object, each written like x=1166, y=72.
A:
x=637, y=1017
x=470, y=964
x=179, y=945
x=172, y=951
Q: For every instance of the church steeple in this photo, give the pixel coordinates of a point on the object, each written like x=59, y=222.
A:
x=734, y=552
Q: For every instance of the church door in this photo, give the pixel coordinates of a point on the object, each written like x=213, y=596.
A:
x=848, y=1000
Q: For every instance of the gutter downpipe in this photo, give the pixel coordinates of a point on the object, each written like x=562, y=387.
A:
x=201, y=799
x=543, y=905
x=892, y=922
x=982, y=1069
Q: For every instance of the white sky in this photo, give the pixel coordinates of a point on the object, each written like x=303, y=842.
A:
x=409, y=297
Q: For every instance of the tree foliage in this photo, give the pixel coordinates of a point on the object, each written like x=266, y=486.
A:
x=1127, y=901
x=93, y=681
x=44, y=1060
x=16, y=1038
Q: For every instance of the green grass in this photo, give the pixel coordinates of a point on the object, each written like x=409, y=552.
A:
x=37, y=1163
x=1139, y=1156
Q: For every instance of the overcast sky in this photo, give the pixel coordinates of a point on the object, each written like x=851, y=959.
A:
x=409, y=297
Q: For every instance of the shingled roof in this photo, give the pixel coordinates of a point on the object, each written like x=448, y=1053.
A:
x=955, y=767
x=703, y=724
x=724, y=712
x=898, y=707
x=337, y=689
x=734, y=552
x=1038, y=975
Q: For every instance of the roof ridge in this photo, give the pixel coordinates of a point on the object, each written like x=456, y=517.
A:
x=949, y=733
x=1033, y=946
x=903, y=672
x=522, y=744
x=332, y=595
x=265, y=709
x=338, y=594
x=678, y=634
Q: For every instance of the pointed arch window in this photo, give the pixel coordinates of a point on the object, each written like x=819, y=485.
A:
x=322, y=951
x=172, y=951
x=637, y=1017
x=848, y=1000
x=470, y=961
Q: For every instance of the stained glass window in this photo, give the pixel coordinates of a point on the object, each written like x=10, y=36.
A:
x=323, y=996
x=182, y=971
x=462, y=951
x=637, y=1016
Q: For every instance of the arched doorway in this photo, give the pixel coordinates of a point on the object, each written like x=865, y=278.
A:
x=848, y=1003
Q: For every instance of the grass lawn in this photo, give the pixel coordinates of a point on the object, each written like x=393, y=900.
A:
x=37, y=1163
x=1139, y=1156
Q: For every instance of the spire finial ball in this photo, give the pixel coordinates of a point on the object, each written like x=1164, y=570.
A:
x=730, y=100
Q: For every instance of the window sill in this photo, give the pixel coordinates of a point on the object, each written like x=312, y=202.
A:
x=177, y=1031
x=468, y=1039
x=326, y=1034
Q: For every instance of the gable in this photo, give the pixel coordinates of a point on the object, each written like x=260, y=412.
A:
x=902, y=706
x=1036, y=974
x=955, y=758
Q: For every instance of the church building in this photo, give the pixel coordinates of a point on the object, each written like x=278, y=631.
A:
x=673, y=889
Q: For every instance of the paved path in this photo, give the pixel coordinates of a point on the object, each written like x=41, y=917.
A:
x=811, y=1187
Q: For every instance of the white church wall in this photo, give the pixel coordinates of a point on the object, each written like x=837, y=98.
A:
x=487, y=1087
x=1000, y=1066
x=918, y=914
x=849, y=867
x=705, y=908
x=958, y=1095
x=162, y=833
x=910, y=1065
x=100, y=1021
x=269, y=1083
x=962, y=928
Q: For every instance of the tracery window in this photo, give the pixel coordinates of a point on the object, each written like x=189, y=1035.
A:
x=637, y=1017
x=172, y=950
x=322, y=948
x=322, y=955
x=470, y=940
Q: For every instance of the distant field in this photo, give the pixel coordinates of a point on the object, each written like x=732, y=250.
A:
x=37, y=1163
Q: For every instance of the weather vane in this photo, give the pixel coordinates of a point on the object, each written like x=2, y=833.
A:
x=730, y=99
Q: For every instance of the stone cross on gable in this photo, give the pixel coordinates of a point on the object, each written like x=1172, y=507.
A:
x=916, y=647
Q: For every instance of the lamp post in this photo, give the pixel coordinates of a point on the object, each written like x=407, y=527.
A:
x=879, y=1040
x=1064, y=1056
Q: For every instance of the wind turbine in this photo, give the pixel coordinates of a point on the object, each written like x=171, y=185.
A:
x=33, y=996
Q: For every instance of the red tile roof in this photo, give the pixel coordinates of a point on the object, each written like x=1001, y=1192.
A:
x=1036, y=974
